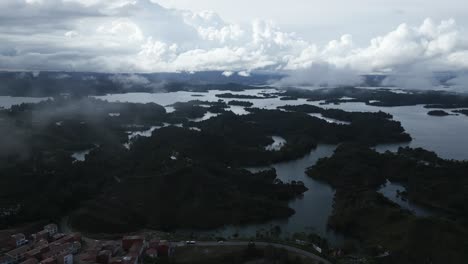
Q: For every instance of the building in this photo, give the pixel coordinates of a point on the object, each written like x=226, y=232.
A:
x=152, y=252
x=136, y=249
x=34, y=253
x=70, y=238
x=41, y=235
x=165, y=248
x=65, y=258
x=18, y=254
x=103, y=257
x=57, y=236
x=48, y=261
x=56, y=251
x=30, y=261
x=52, y=229
x=128, y=241
x=18, y=240
x=6, y=260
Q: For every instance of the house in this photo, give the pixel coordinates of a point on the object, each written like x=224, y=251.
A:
x=57, y=236
x=41, y=235
x=65, y=258
x=42, y=245
x=34, y=253
x=152, y=252
x=48, y=261
x=75, y=237
x=18, y=254
x=30, y=261
x=57, y=250
x=136, y=249
x=6, y=260
x=18, y=240
x=103, y=256
x=128, y=241
x=111, y=246
x=52, y=229
x=75, y=247
x=165, y=248
x=154, y=243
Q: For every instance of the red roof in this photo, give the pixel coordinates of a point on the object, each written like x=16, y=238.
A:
x=48, y=261
x=30, y=261
x=18, y=251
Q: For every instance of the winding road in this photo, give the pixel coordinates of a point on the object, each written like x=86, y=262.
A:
x=263, y=244
x=66, y=229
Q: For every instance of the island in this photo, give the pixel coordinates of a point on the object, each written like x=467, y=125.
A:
x=386, y=230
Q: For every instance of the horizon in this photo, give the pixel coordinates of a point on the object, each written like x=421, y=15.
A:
x=149, y=36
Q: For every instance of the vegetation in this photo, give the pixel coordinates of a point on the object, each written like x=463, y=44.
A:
x=243, y=96
x=237, y=255
x=162, y=179
x=357, y=173
x=437, y=113
x=240, y=103
x=77, y=83
x=382, y=97
x=464, y=111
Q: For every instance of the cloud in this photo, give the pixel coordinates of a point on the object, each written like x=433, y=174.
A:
x=227, y=73
x=459, y=83
x=142, y=36
x=129, y=80
x=321, y=75
x=244, y=73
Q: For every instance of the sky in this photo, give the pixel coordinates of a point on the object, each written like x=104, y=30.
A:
x=320, y=21
x=303, y=36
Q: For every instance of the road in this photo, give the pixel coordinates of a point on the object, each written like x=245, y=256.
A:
x=66, y=229
x=263, y=244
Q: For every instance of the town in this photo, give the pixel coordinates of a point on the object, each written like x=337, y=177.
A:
x=49, y=246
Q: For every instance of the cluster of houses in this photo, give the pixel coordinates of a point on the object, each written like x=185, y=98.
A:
x=130, y=250
x=47, y=246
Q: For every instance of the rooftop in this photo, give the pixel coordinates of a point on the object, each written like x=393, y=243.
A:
x=17, y=251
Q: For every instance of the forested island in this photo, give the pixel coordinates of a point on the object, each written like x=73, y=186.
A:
x=143, y=166
x=357, y=173
x=196, y=171
x=438, y=113
x=381, y=97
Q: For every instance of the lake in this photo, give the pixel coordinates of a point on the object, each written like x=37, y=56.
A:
x=444, y=135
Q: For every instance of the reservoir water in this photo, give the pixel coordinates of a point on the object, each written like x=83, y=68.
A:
x=444, y=135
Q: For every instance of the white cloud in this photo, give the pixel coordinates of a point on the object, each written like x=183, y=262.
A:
x=319, y=75
x=244, y=73
x=141, y=36
x=228, y=73
x=459, y=83
x=129, y=80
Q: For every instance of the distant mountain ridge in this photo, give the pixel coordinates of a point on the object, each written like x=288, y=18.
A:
x=51, y=83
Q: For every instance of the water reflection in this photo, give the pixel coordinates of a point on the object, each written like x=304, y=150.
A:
x=392, y=191
x=8, y=101
x=312, y=209
x=446, y=136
